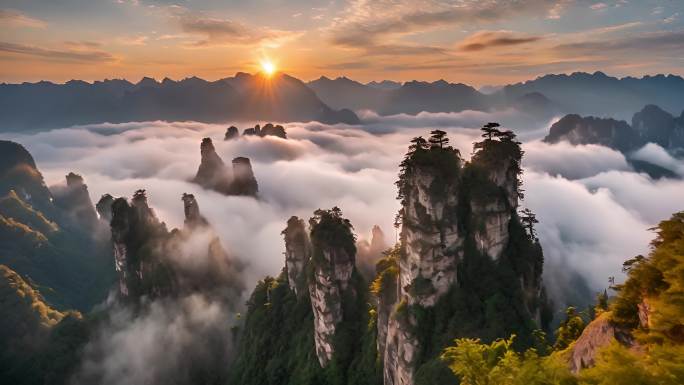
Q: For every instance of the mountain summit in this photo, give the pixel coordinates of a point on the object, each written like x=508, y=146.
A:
x=243, y=97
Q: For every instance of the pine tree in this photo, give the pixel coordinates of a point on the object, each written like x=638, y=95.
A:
x=438, y=138
x=528, y=220
x=490, y=129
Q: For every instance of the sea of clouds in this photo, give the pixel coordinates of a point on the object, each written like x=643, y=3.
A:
x=594, y=210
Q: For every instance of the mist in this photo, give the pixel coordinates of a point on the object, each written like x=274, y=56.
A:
x=594, y=210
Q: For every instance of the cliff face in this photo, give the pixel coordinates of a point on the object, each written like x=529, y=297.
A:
x=454, y=217
x=464, y=267
x=297, y=254
x=332, y=268
x=151, y=261
x=430, y=235
x=136, y=233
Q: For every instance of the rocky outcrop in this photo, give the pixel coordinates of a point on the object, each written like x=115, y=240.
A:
x=153, y=262
x=574, y=129
x=74, y=201
x=368, y=253
x=491, y=235
x=401, y=349
x=333, y=257
x=650, y=125
x=193, y=218
x=599, y=333
x=493, y=212
x=231, y=133
x=136, y=232
x=452, y=215
x=104, y=207
x=244, y=182
x=430, y=237
x=654, y=125
x=212, y=173
x=269, y=129
x=297, y=254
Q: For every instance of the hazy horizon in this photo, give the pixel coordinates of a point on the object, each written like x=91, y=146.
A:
x=478, y=43
x=160, y=78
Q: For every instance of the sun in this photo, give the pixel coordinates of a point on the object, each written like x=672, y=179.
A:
x=268, y=67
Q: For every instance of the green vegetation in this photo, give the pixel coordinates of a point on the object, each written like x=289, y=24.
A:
x=657, y=282
x=489, y=301
x=70, y=267
x=498, y=363
x=276, y=342
x=656, y=357
x=38, y=344
x=569, y=330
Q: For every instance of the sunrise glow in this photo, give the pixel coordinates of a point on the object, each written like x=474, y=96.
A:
x=268, y=67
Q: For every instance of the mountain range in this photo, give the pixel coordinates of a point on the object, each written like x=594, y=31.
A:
x=244, y=97
x=283, y=98
x=579, y=93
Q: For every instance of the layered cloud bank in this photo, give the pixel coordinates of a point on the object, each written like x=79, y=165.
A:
x=594, y=211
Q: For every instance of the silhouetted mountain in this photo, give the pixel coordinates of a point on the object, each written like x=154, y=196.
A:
x=411, y=97
x=349, y=93
x=536, y=104
x=267, y=130
x=213, y=173
x=579, y=93
x=243, y=97
x=601, y=95
x=384, y=85
x=650, y=125
x=574, y=129
x=657, y=126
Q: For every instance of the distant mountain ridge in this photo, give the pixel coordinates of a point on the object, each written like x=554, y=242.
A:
x=650, y=125
x=283, y=98
x=244, y=97
x=578, y=93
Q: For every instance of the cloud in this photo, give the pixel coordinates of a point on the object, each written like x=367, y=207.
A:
x=165, y=341
x=669, y=42
x=83, y=44
x=219, y=31
x=19, y=19
x=580, y=194
x=488, y=39
x=360, y=28
x=671, y=19
x=346, y=65
x=572, y=162
x=657, y=155
x=85, y=55
x=598, y=6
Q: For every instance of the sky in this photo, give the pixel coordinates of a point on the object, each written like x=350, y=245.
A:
x=487, y=42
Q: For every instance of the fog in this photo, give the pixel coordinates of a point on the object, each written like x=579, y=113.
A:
x=594, y=211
